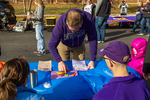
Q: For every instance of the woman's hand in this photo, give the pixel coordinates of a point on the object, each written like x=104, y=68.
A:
x=142, y=8
x=29, y=17
x=32, y=12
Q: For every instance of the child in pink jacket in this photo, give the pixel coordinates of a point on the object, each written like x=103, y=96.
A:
x=137, y=55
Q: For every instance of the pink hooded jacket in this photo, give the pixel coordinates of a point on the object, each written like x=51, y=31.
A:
x=137, y=61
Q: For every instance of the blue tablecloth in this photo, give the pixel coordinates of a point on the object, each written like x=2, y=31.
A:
x=83, y=86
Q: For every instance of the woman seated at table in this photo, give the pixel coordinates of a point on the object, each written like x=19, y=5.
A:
x=14, y=77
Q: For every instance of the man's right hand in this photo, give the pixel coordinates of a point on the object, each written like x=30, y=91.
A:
x=62, y=66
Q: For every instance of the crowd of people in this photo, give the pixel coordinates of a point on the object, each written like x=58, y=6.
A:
x=68, y=36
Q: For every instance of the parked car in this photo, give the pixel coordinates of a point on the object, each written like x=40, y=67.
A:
x=9, y=11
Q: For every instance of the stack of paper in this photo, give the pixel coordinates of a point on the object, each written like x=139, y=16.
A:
x=79, y=65
x=44, y=65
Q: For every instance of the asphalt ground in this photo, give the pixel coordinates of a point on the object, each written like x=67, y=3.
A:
x=14, y=44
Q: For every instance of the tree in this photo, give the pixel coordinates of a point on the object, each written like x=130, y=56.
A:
x=24, y=3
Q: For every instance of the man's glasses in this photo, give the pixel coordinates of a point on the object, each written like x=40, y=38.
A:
x=75, y=28
x=103, y=58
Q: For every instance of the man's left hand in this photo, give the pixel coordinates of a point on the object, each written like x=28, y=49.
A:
x=91, y=65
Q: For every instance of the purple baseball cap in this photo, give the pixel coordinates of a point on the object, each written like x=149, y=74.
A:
x=116, y=51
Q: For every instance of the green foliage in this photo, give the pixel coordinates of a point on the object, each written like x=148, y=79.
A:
x=62, y=8
x=131, y=9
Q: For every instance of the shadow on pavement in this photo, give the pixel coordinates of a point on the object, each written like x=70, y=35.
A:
x=120, y=36
x=115, y=33
x=47, y=51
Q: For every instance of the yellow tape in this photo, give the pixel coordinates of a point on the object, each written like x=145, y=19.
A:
x=120, y=19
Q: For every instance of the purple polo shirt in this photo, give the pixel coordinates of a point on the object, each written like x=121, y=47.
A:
x=124, y=88
x=62, y=33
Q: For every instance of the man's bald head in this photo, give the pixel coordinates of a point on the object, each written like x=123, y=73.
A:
x=74, y=18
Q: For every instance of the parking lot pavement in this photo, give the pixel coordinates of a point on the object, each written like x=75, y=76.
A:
x=13, y=44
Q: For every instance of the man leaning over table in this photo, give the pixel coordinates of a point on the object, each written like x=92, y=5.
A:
x=68, y=36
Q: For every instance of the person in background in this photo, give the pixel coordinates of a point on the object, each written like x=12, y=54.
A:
x=124, y=8
x=139, y=16
x=90, y=8
x=138, y=48
x=146, y=65
x=37, y=17
x=68, y=36
x=146, y=18
x=14, y=77
x=0, y=50
x=102, y=12
x=124, y=85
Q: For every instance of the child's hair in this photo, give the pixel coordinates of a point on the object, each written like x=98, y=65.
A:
x=141, y=3
x=123, y=1
x=40, y=2
x=13, y=74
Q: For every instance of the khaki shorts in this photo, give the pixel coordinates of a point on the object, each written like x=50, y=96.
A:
x=78, y=53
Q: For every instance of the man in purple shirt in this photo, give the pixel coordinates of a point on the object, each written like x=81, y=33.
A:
x=68, y=36
x=123, y=85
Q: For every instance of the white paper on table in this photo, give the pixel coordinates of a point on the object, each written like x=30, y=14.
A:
x=79, y=65
x=44, y=65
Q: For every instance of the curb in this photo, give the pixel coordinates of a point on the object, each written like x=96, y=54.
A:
x=60, y=15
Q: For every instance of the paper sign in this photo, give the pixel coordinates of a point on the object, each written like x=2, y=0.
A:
x=79, y=65
x=44, y=65
x=58, y=74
